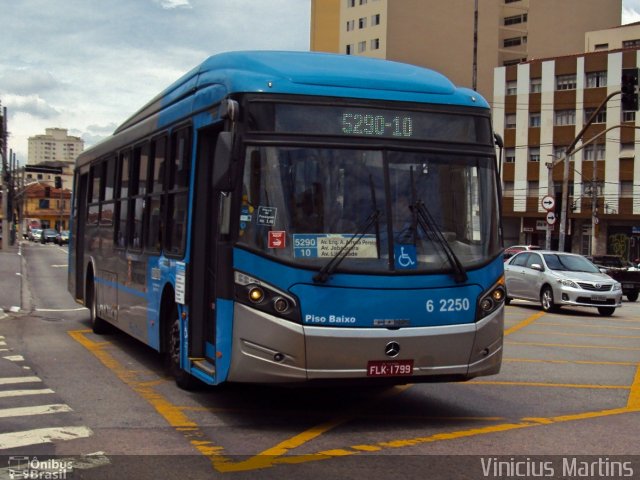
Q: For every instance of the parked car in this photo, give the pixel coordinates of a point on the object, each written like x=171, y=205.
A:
x=513, y=249
x=48, y=235
x=623, y=271
x=63, y=237
x=35, y=234
x=556, y=279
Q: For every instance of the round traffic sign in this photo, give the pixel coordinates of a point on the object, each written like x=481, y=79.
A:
x=548, y=202
x=551, y=218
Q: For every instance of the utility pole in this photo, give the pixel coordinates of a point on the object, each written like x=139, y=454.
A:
x=474, y=79
x=4, y=178
x=594, y=206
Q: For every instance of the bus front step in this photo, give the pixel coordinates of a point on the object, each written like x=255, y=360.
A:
x=205, y=366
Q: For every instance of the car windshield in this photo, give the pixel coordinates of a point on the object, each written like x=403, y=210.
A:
x=316, y=199
x=571, y=263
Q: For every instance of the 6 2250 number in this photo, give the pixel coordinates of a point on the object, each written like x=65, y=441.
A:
x=448, y=305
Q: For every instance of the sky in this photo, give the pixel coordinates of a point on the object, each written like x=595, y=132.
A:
x=87, y=65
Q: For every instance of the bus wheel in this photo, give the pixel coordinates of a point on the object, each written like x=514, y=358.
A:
x=183, y=379
x=98, y=325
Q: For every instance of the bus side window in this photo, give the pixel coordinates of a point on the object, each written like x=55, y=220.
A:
x=177, y=198
x=123, y=195
x=155, y=218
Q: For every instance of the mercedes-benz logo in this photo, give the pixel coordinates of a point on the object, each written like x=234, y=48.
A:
x=392, y=349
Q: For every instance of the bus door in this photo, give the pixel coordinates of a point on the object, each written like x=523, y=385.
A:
x=203, y=264
x=79, y=224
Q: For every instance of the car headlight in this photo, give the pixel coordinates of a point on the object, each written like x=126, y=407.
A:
x=491, y=299
x=264, y=297
x=569, y=283
x=617, y=287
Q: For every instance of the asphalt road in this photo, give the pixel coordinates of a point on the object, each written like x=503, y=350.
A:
x=566, y=403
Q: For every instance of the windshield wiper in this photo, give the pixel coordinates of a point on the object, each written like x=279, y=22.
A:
x=324, y=273
x=428, y=224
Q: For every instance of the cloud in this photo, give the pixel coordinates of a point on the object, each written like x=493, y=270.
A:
x=24, y=81
x=32, y=105
x=171, y=4
x=631, y=13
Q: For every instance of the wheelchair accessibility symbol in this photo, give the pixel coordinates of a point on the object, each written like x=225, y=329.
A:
x=405, y=257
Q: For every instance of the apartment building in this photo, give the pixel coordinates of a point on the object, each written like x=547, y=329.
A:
x=540, y=107
x=54, y=145
x=439, y=34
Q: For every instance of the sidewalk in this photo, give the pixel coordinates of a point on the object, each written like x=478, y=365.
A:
x=10, y=279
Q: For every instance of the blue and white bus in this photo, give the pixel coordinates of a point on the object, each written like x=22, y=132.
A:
x=287, y=217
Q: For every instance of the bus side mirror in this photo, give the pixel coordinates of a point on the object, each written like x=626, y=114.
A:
x=222, y=163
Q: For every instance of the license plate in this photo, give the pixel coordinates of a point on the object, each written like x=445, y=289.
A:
x=598, y=298
x=389, y=368
x=627, y=285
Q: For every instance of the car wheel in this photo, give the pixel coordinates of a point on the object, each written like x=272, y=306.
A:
x=546, y=300
x=606, y=311
x=632, y=296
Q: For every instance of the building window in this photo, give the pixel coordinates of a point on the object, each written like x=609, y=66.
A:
x=565, y=117
x=362, y=46
x=535, y=85
x=532, y=188
x=601, y=117
x=351, y=25
x=534, y=154
x=566, y=82
x=375, y=44
x=631, y=43
x=375, y=19
x=534, y=120
x=594, y=152
x=351, y=3
x=349, y=49
x=509, y=155
x=516, y=61
x=515, y=19
x=558, y=152
x=510, y=120
x=512, y=42
x=507, y=189
x=362, y=22
x=601, y=46
x=512, y=87
x=363, y=2
x=596, y=79
x=626, y=189
x=628, y=116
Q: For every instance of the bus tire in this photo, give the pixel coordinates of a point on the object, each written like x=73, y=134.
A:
x=183, y=379
x=98, y=325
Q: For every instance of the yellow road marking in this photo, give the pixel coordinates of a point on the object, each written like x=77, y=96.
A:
x=172, y=414
x=564, y=345
x=569, y=334
x=588, y=325
x=633, y=402
x=175, y=416
x=577, y=362
x=524, y=323
x=553, y=385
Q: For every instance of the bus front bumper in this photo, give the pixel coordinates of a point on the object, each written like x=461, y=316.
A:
x=267, y=349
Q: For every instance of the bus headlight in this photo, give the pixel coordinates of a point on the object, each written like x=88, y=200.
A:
x=491, y=299
x=264, y=297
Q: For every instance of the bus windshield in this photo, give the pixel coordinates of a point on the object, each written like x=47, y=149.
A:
x=302, y=205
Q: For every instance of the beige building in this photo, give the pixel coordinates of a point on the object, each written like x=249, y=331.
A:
x=439, y=34
x=54, y=145
x=540, y=107
x=623, y=36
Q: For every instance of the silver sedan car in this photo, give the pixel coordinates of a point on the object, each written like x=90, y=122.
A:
x=555, y=279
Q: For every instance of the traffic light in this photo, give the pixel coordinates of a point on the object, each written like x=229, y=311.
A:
x=629, y=87
x=58, y=182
